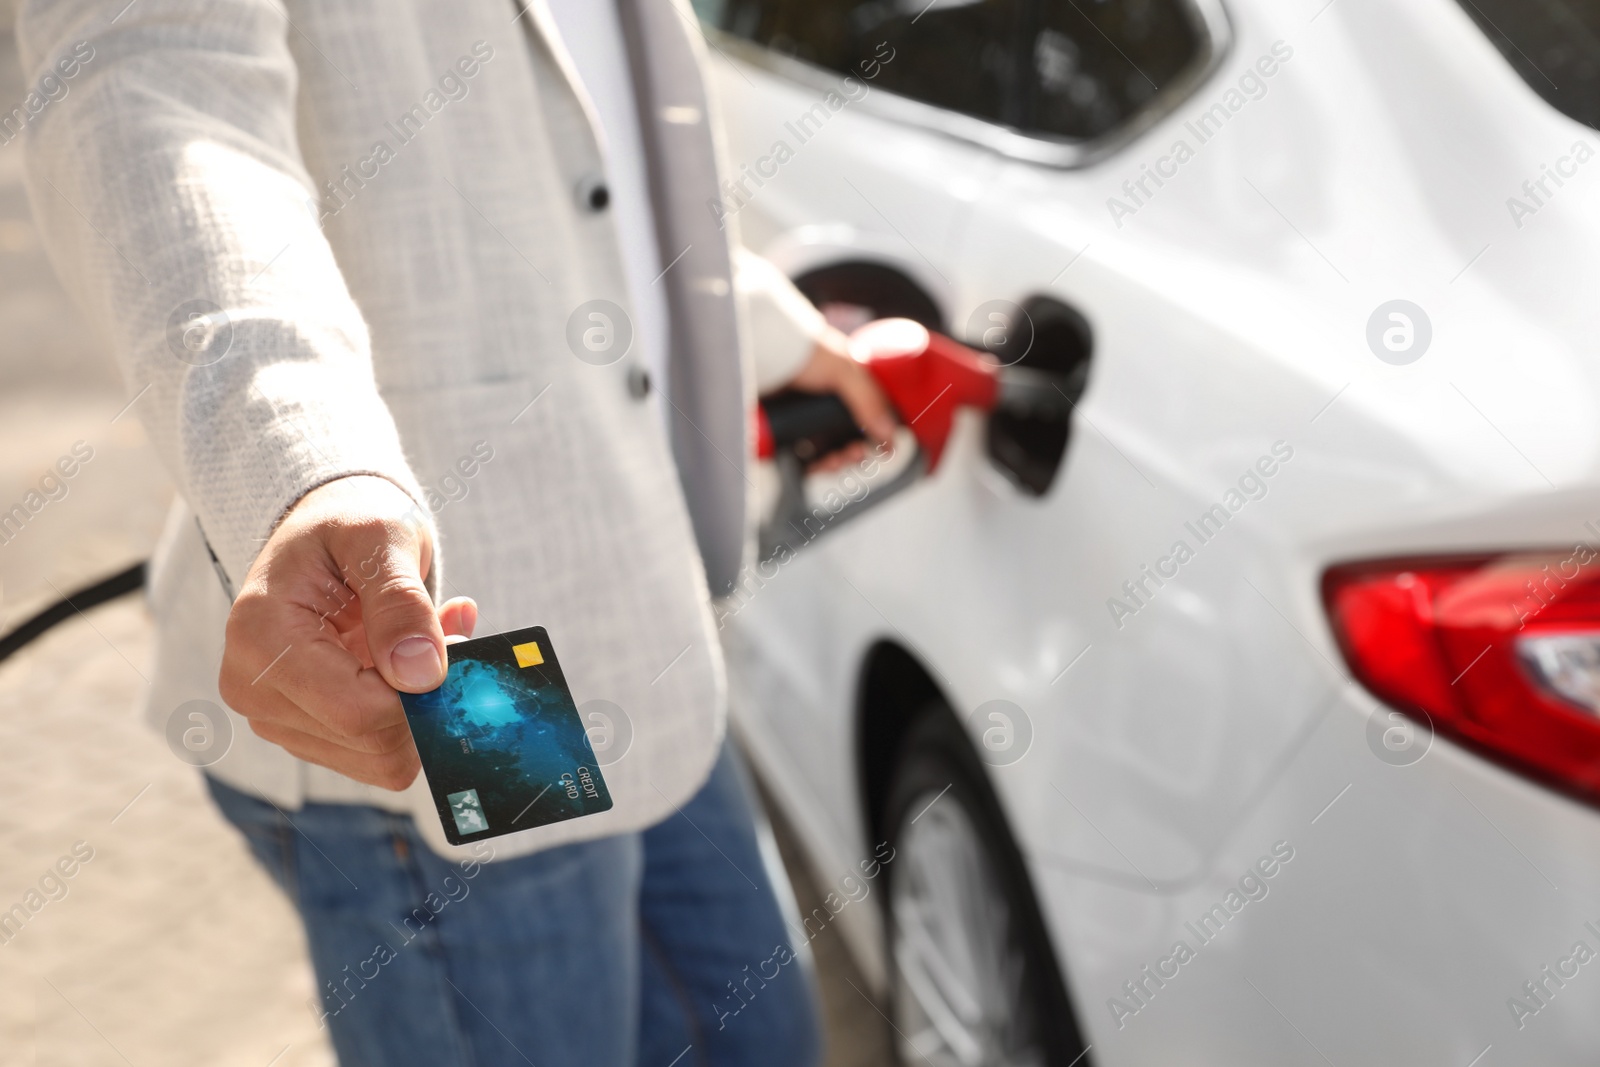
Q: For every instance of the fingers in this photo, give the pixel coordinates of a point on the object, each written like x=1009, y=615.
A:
x=458, y=617
x=832, y=369
x=270, y=707
x=383, y=560
x=350, y=705
x=368, y=534
x=394, y=770
x=839, y=458
x=866, y=401
x=312, y=672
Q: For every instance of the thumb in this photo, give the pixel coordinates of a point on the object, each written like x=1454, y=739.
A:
x=402, y=626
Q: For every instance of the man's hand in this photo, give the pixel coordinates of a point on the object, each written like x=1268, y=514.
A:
x=831, y=369
x=331, y=620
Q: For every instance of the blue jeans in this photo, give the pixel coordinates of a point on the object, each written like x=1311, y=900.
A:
x=664, y=947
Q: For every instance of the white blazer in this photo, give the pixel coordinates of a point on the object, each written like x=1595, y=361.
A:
x=390, y=201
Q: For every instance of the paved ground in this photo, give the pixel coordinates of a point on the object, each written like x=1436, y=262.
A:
x=169, y=946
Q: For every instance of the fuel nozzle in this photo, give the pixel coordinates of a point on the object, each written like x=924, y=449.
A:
x=927, y=377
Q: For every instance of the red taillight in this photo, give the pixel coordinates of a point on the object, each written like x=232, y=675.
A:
x=1502, y=653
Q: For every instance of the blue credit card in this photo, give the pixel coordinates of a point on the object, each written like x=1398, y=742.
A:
x=503, y=747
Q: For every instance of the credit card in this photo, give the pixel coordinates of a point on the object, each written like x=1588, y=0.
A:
x=503, y=748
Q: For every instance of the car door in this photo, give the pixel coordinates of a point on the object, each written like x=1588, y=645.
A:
x=1156, y=741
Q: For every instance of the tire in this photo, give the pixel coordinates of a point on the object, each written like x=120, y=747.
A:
x=972, y=978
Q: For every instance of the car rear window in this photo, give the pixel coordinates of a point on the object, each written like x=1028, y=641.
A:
x=1553, y=44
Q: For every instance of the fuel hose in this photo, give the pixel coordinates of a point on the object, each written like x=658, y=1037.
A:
x=76, y=603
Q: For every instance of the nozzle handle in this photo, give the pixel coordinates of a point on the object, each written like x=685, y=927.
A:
x=810, y=425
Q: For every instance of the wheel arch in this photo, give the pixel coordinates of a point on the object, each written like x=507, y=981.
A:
x=895, y=692
x=894, y=689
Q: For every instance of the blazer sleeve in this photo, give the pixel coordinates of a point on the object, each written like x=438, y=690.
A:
x=784, y=326
x=166, y=177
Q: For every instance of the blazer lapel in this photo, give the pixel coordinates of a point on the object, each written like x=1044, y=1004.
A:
x=535, y=14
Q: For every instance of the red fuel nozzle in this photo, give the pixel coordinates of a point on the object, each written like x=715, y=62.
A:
x=927, y=376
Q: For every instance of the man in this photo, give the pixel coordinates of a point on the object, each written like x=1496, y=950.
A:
x=407, y=333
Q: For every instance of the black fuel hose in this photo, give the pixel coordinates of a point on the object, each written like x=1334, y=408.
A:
x=90, y=596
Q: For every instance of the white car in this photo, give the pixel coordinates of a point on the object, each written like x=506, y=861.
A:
x=1257, y=719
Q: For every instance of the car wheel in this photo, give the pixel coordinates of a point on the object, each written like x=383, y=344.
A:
x=973, y=980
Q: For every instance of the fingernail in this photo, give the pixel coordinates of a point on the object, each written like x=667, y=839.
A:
x=416, y=662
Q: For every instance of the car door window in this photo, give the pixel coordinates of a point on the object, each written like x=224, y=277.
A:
x=960, y=55
x=1094, y=64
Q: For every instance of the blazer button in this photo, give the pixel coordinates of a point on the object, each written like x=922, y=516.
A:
x=638, y=382
x=594, y=196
